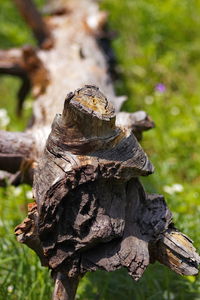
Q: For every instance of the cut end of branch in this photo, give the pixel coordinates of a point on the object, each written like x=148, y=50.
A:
x=176, y=251
x=91, y=101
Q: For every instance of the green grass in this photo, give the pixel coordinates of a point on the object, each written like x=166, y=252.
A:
x=21, y=274
x=158, y=42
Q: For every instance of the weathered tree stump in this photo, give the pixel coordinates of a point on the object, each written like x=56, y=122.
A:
x=90, y=210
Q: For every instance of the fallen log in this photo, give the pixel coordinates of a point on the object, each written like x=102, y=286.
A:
x=75, y=59
x=91, y=211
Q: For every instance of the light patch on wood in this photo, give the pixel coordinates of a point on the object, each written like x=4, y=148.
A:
x=94, y=103
x=173, y=259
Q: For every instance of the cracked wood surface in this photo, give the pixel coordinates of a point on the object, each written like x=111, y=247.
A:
x=92, y=212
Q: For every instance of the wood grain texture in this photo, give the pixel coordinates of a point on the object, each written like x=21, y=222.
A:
x=92, y=211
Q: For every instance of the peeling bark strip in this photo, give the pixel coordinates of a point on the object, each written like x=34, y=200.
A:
x=92, y=212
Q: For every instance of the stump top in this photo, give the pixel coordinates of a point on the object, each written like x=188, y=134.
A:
x=90, y=100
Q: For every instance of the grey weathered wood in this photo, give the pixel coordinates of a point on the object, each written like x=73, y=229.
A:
x=137, y=122
x=15, y=147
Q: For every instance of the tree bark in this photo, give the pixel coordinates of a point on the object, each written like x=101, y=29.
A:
x=91, y=211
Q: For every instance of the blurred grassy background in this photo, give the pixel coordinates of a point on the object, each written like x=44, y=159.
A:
x=158, y=54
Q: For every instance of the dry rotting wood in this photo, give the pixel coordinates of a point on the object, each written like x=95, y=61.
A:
x=91, y=211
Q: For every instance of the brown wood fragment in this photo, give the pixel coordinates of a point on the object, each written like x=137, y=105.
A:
x=27, y=65
x=175, y=250
x=35, y=70
x=26, y=233
x=11, y=63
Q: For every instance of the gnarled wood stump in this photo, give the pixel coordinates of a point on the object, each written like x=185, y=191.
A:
x=92, y=212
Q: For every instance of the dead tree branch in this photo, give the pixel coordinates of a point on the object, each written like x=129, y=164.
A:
x=26, y=64
x=34, y=20
x=14, y=148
